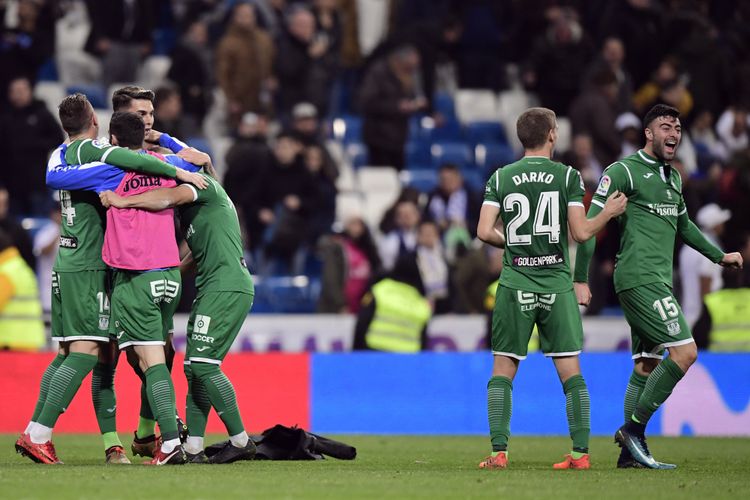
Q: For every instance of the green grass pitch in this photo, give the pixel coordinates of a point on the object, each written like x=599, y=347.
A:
x=393, y=467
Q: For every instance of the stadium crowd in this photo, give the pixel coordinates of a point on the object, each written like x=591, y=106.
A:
x=353, y=133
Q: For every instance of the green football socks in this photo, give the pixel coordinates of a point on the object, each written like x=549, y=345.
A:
x=499, y=409
x=659, y=386
x=160, y=392
x=44, y=385
x=578, y=410
x=64, y=384
x=198, y=404
x=221, y=395
x=633, y=393
x=105, y=402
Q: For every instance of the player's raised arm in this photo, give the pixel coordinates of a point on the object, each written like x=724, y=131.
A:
x=694, y=238
x=154, y=200
x=583, y=229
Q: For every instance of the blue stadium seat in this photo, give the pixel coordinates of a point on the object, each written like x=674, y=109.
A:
x=456, y=153
x=418, y=152
x=48, y=71
x=95, y=94
x=199, y=143
x=474, y=179
x=486, y=133
x=422, y=179
x=443, y=103
x=450, y=131
x=493, y=156
x=347, y=128
x=295, y=294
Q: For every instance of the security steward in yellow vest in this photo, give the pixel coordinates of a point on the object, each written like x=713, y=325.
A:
x=730, y=319
x=21, y=324
x=394, y=312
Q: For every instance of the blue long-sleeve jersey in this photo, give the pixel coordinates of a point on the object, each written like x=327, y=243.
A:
x=99, y=176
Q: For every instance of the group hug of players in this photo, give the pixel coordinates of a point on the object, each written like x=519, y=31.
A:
x=117, y=283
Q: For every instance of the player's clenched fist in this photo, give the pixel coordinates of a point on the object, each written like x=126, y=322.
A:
x=733, y=260
x=616, y=204
x=110, y=199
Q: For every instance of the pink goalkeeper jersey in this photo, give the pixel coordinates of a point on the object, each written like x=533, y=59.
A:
x=136, y=239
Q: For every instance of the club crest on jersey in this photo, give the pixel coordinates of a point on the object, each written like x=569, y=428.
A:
x=674, y=328
x=101, y=143
x=669, y=194
x=604, y=183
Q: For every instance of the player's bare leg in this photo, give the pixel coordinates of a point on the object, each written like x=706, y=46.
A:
x=499, y=409
x=577, y=409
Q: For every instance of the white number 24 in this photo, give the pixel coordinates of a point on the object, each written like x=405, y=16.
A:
x=546, y=218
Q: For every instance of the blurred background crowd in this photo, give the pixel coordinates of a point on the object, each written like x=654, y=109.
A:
x=355, y=134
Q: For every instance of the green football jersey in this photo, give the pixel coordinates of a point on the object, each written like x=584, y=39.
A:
x=213, y=235
x=533, y=195
x=649, y=224
x=83, y=216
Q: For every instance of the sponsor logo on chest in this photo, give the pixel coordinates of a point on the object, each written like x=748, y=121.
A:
x=538, y=260
x=663, y=209
x=141, y=181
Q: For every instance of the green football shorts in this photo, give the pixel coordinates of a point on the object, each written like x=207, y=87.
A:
x=80, y=306
x=556, y=314
x=215, y=321
x=143, y=304
x=655, y=318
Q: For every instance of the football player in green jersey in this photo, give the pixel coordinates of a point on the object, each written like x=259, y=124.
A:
x=656, y=213
x=225, y=296
x=80, y=304
x=536, y=200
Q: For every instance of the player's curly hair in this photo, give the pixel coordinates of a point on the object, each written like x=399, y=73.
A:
x=75, y=113
x=122, y=97
x=658, y=111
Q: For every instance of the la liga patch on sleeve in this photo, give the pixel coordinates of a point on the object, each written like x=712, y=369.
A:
x=603, y=185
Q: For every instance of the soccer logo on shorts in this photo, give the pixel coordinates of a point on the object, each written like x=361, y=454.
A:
x=603, y=188
x=201, y=323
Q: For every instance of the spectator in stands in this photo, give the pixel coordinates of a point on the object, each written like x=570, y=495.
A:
x=21, y=324
x=707, y=145
x=452, y=205
x=388, y=221
x=27, y=44
x=46, y=243
x=305, y=65
x=120, y=36
x=594, y=113
x=698, y=275
x=433, y=267
x=288, y=197
x=350, y=262
x=732, y=128
x=29, y=132
x=612, y=57
x=629, y=126
x=581, y=157
x=248, y=160
x=192, y=70
x=14, y=230
x=667, y=85
x=741, y=279
x=640, y=25
x=402, y=240
x=558, y=60
x=168, y=115
x=394, y=312
x=244, y=61
x=388, y=97
x=306, y=125
x=321, y=220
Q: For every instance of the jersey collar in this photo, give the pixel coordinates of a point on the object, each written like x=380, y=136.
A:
x=647, y=158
